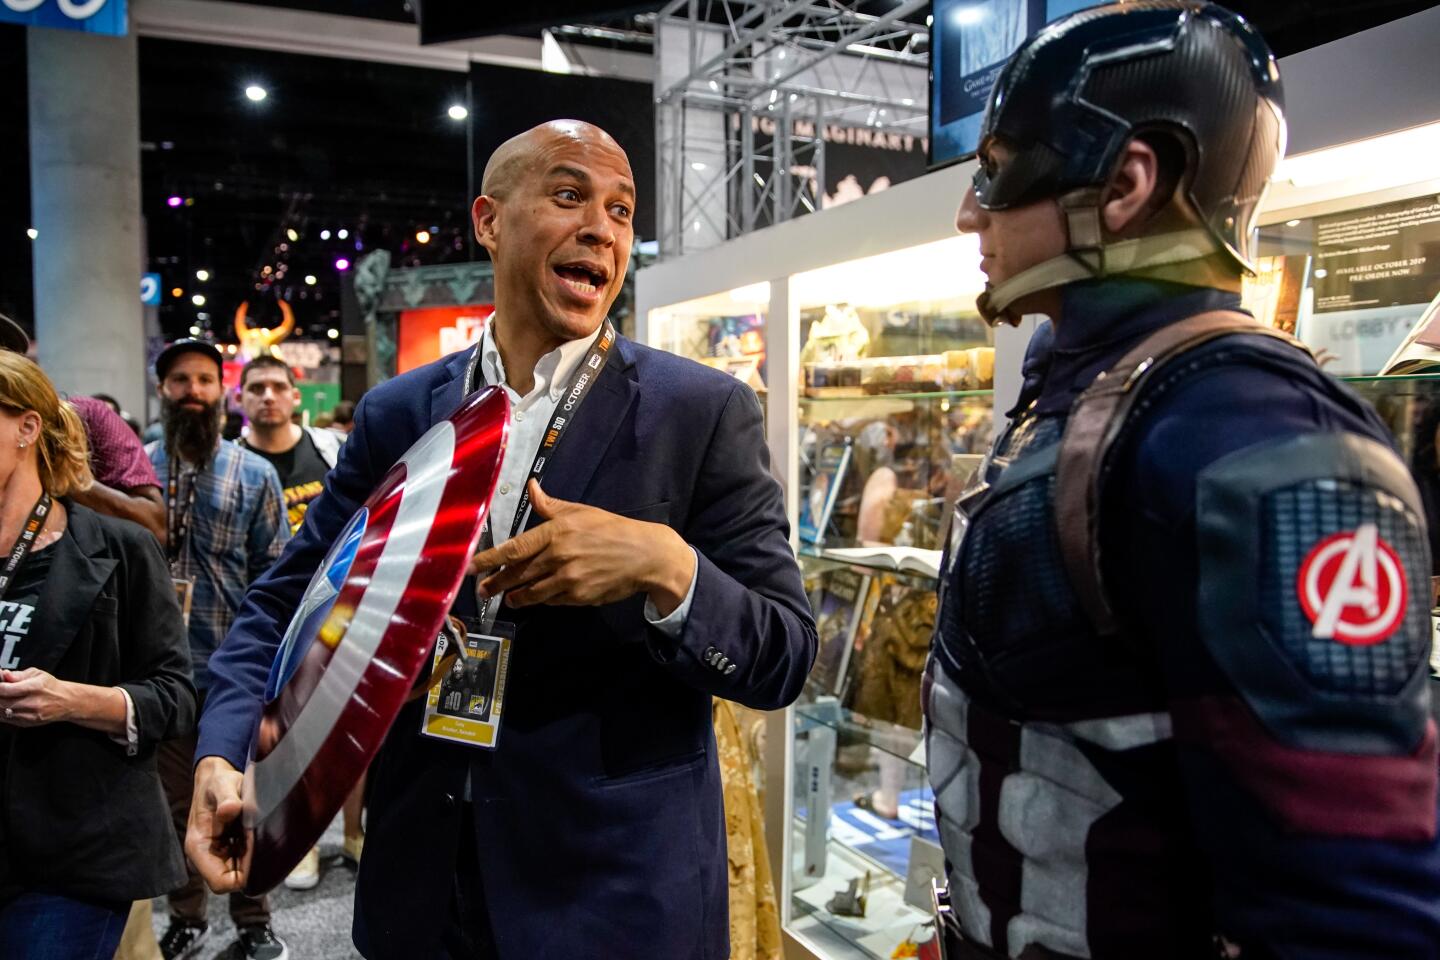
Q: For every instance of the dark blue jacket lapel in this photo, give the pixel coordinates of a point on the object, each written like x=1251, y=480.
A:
x=583, y=447
x=445, y=398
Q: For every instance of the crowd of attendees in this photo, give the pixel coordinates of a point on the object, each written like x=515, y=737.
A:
x=124, y=563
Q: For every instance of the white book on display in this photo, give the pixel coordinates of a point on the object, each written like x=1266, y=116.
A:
x=902, y=559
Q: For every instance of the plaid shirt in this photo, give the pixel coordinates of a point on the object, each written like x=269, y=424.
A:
x=237, y=530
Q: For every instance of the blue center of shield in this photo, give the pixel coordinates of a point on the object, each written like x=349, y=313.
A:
x=315, y=605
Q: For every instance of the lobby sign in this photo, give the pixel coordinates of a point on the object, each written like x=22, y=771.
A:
x=89, y=16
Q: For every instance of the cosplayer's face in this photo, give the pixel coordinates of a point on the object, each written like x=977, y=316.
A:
x=561, y=234
x=1014, y=239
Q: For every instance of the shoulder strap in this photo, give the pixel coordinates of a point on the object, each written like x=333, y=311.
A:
x=1094, y=424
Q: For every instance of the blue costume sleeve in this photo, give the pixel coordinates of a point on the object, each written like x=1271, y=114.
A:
x=1272, y=551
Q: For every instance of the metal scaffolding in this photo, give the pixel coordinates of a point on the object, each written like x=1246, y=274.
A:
x=748, y=92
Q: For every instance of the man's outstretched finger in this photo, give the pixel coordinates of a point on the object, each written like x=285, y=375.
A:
x=514, y=550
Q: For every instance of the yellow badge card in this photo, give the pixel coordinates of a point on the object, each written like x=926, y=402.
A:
x=465, y=701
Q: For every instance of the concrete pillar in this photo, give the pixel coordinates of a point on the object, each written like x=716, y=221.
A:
x=85, y=203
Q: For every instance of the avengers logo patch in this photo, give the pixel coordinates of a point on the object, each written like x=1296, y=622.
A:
x=1352, y=588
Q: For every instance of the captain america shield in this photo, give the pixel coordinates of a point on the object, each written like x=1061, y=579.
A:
x=364, y=630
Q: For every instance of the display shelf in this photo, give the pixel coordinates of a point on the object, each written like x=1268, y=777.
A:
x=815, y=554
x=917, y=395
x=889, y=738
x=888, y=919
x=1393, y=378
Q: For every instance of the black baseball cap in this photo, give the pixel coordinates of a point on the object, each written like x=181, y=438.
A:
x=187, y=345
x=13, y=336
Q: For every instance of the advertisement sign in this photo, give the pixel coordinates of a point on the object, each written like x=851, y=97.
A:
x=1373, y=272
x=430, y=333
x=89, y=16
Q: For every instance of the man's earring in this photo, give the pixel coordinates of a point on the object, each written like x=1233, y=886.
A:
x=22, y=444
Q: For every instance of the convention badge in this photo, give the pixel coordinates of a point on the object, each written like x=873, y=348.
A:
x=467, y=684
x=185, y=595
x=364, y=631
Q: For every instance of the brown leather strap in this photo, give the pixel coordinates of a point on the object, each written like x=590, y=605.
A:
x=1093, y=426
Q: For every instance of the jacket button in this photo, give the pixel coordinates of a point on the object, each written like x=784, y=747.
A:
x=722, y=663
x=449, y=801
x=731, y=669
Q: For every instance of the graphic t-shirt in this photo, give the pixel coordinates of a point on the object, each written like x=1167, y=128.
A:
x=21, y=641
x=302, y=472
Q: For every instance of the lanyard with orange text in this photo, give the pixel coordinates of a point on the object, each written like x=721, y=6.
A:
x=24, y=542
x=575, y=393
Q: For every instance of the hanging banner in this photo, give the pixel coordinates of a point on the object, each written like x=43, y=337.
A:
x=88, y=16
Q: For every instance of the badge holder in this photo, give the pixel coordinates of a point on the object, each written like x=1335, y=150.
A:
x=185, y=596
x=467, y=688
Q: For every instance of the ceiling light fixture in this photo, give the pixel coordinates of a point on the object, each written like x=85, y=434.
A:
x=458, y=112
x=256, y=92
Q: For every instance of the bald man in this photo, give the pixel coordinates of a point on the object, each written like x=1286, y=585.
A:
x=651, y=573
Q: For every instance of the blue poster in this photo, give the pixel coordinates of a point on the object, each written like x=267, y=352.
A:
x=89, y=16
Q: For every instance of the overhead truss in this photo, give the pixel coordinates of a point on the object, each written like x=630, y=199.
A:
x=749, y=92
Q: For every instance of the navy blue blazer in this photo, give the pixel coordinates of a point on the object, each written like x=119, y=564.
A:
x=600, y=830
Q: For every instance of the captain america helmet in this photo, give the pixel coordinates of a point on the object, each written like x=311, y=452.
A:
x=1074, y=94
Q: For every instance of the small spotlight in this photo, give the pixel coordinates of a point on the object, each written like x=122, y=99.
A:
x=202, y=275
x=324, y=234
x=175, y=201
x=1292, y=223
x=198, y=299
x=422, y=236
x=194, y=331
x=457, y=111
x=292, y=234
x=202, y=315
x=698, y=166
x=342, y=264
x=333, y=334
x=32, y=233
x=256, y=92
x=310, y=279
x=177, y=293
x=342, y=233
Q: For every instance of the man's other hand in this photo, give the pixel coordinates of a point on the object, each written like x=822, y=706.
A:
x=584, y=556
x=214, y=840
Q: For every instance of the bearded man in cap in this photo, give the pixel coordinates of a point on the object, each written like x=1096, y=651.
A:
x=226, y=520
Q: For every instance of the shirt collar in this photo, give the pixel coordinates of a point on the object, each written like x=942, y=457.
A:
x=552, y=372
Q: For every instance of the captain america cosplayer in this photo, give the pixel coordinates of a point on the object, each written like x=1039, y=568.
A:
x=1177, y=704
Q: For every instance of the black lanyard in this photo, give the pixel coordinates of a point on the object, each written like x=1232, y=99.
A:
x=38, y=515
x=575, y=393
x=177, y=521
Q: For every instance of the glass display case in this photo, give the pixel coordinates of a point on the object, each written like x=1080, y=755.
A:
x=894, y=414
x=724, y=330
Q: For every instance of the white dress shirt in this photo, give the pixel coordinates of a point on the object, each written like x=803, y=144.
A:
x=530, y=415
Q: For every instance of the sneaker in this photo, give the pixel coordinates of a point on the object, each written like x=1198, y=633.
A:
x=353, y=847
x=306, y=873
x=258, y=942
x=183, y=940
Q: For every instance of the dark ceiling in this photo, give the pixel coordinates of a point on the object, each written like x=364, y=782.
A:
x=339, y=145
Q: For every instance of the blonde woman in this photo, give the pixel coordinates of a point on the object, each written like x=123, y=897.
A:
x=94, y=673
